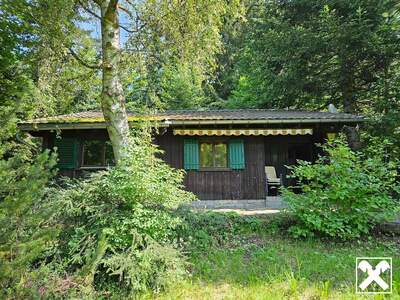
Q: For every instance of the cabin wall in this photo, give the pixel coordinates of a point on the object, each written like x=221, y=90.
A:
x=283, y=151
x=248, y=183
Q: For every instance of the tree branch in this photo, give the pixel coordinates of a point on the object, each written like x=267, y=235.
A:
x=131, y=3
x=89, y=10
x=126, y=29
x=125, y=10
x=81, y=61
x=132, y=30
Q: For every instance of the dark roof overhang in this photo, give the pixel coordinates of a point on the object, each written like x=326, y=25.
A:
x=95, y=120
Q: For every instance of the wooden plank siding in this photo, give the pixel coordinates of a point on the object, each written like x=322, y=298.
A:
x=248, y=183
x=220, y=185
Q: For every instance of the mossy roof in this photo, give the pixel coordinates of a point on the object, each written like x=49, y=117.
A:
x=193, y=116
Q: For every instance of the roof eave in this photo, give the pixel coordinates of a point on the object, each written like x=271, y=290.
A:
x=60, y=126
x=102, y=125
x=273, y=121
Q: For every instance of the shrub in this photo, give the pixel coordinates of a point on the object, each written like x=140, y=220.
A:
x=23, y=237
x=118, y=226
x=344, y=193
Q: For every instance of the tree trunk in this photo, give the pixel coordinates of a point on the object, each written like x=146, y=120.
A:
x=112, y=96
x=352, y=135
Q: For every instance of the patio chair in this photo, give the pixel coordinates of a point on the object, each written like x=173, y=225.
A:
x=273, y=181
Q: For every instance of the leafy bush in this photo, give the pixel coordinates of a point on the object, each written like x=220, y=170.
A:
x=344, y=193
x=118, y=226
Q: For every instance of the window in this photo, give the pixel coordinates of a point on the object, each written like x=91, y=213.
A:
x=97, y=153
x=213, y=155
x=67, y=150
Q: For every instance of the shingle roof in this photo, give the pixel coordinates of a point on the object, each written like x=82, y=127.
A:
x=252, y=114
x=205, y=117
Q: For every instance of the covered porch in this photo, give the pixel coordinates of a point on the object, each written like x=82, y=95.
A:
x=273, y=147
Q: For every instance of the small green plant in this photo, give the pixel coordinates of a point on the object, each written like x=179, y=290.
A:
x=344, y=193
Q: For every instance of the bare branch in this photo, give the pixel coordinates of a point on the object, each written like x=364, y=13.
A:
x=83, y=62
x=126, y=29
x=125, y=10
x=136, y=30
x=89, y=11
x=131, y=3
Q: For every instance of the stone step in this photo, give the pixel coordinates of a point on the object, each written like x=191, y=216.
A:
x=274, y=202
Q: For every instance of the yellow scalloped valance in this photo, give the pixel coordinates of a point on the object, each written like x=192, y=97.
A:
x=237, y=132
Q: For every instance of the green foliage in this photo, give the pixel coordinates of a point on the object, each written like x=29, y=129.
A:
x=385, y=119
x=64, y=85
x=43, y=78
x=201, y=230
x=181, y=88
x=114, y=230
x=281, y=268
x=180, y=42
x=168, y=55
x=119, y=225
x=23, y=174
x=117, y=230
x=152, y=267
x=306, y=54
x=24, y=233
x=345, y=193
x=256, y=260
x=15, y=85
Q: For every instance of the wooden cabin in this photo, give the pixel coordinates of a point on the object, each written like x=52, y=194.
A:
x=224, y=152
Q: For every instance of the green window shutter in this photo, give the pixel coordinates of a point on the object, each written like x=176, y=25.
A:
x=67, y=149
x=191, y=154
x=236, y=154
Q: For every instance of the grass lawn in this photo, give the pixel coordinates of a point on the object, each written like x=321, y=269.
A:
x=251, y=261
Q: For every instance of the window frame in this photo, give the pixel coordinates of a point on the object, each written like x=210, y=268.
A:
x=103, y=155
x=214, y=142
